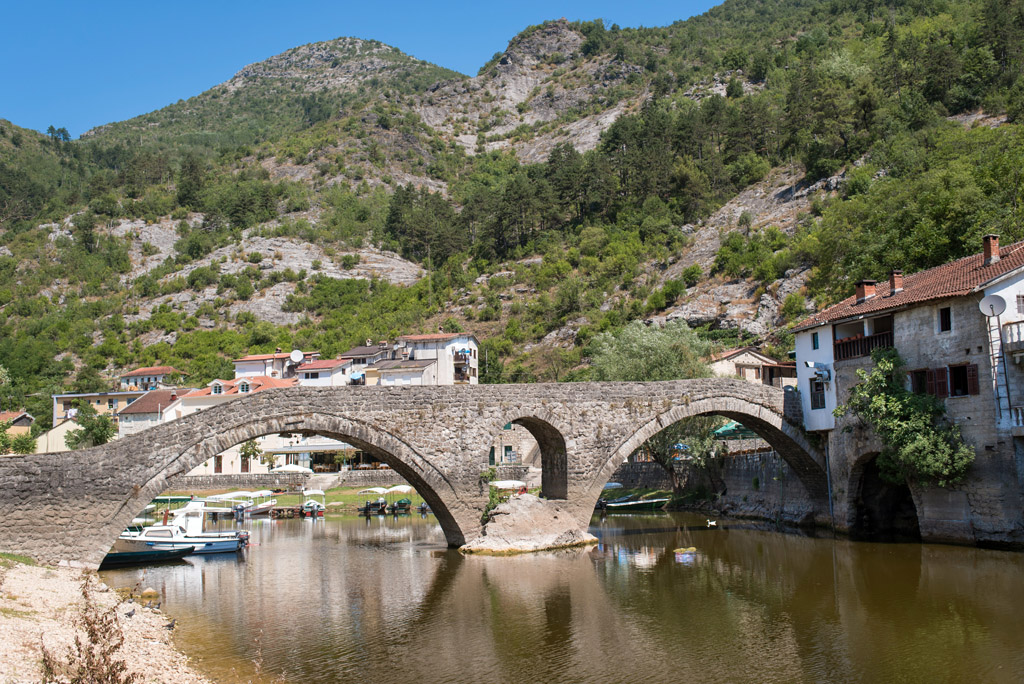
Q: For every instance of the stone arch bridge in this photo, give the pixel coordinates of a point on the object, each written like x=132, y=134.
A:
x=69, y=507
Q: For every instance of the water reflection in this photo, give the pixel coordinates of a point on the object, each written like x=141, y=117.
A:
x=349, y=599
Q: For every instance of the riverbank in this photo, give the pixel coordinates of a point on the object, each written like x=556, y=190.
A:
x=43, y=610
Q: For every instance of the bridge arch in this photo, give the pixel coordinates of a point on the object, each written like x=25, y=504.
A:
x=789, y=441
x=554, y=458
x=195, y=448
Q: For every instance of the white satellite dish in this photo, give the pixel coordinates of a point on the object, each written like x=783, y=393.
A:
x=296, y=356
x=992, y=305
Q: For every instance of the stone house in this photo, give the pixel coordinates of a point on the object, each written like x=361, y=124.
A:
x=967, y=357
x=146, y=411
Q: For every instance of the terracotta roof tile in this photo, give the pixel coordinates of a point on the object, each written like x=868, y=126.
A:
x=955, y=279
x=322, y=364
x=433, y=337
x=6, y=416
x=153, y=370
x=279, y=355
x=153, y=401
x=257, y=383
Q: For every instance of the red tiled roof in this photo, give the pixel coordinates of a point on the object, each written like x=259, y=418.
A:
x=153, y=370
x=433, y=337
x=153, y=401
x=729, y=353
x=279, y=355
x=257, y=383
x=6, y=416
x=955, y=279
x=322, y=364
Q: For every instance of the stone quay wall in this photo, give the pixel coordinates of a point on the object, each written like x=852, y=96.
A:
x=247, y=481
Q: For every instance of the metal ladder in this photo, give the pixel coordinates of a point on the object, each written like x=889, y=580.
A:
x=995, y=350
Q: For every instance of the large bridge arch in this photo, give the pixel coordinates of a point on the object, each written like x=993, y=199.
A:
x=549, y=432
x=789, y=441
x=428, y=480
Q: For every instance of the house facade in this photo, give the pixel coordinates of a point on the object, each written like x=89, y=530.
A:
x=970, y=360
x=752, y=366
x=280, y=365
x=105, y=403
x=146, y=411
x=457, y=355
x=20, y=422
x=325, y=373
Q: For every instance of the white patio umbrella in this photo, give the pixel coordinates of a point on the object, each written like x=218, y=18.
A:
x=372, y=490
x=508, y=484
x=293, y=468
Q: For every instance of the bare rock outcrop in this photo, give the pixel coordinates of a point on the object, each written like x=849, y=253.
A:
x=527, y=523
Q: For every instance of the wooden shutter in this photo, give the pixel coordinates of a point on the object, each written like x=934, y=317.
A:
x=941, y=383
x=929, y=382
x=972, y=378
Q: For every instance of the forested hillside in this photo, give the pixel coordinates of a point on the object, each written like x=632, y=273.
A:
x=587, y=176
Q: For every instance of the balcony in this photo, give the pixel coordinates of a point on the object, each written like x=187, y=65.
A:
x=1013, y=337
x=861, y=345
x=461, y=359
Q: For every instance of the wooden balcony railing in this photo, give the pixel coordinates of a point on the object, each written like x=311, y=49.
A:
x=854, y=347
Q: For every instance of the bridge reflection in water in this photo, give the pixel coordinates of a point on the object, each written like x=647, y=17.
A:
x=384, y=600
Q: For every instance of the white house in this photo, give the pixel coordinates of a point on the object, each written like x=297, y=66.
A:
x=456, y=354
x=281, y=365
x=150, y=377
x=325, y=373
x=402, y=372
x=751, y=365
x=146, y=411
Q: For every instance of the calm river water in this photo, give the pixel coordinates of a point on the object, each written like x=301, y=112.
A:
x=350, y=600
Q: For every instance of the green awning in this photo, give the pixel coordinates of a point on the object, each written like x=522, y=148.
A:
x=733, y=430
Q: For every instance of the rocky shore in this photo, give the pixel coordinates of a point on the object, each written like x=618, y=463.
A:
x=526, y=523
x=43, y=610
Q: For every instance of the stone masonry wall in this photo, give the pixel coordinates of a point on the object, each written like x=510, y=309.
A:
x=248, y=481
x=69, y=507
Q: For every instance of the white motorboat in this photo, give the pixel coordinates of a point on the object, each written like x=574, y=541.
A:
x=186, y=529
x=316, y=503
x=263, y=503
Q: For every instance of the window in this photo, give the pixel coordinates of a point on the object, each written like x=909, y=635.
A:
x=1020, y=304
x=919, y=381
x=963, y=380
x=814, y=340
x=218, y=464
x=110, y=403
x=945, y=319
x=312, y=376
x=245, y=464
x=509, y=456
x=244, y=388
x=817, y=394
x=490, y=457
x=217, y=389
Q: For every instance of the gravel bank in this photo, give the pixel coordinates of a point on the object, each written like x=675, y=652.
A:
x=40, y=607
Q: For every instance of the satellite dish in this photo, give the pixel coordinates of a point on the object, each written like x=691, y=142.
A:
x=296, y=356
x=992, y=305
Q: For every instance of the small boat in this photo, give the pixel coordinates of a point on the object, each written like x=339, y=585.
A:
x=400, y=507
x=378, y=507
x=186, y=529
x=314, y=507
x=262, y=503
x=630, y=503
x=120, y=559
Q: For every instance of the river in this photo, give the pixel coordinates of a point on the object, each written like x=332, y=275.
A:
x=383, y=600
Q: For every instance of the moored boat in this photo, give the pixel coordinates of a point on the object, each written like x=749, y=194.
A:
x=186, y=529
x=626, y=504
x=118, y=559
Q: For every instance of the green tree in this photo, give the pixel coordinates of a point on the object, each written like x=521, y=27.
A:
x=919, y=443
x=642, y=353
x=94, y=429
x=24, y=443
x=251, y=450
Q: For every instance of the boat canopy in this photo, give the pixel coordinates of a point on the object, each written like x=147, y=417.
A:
x=263, y=493
x=613, y=485
x=313, y=492
x=372, y=490
x=401, y=489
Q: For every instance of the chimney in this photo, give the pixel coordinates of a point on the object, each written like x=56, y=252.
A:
x=895, y=282
x=278, y=350
x=865, y=290
x=383, y=344
x=369, y=342
x=991, y=248
x=174, y=396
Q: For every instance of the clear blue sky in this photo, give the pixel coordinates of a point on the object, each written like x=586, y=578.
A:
x=82, y=64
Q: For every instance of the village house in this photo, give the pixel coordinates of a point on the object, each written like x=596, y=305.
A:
x=280, y=365
x=959, y=328
x=751, y=365
x=146, y=411
x=150, y=378
x=20, y=422
x=105, y=403
x=325, y=373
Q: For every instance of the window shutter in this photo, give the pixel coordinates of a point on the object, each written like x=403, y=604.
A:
x=972, y=378
x=941, y=383
x=929, y=382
